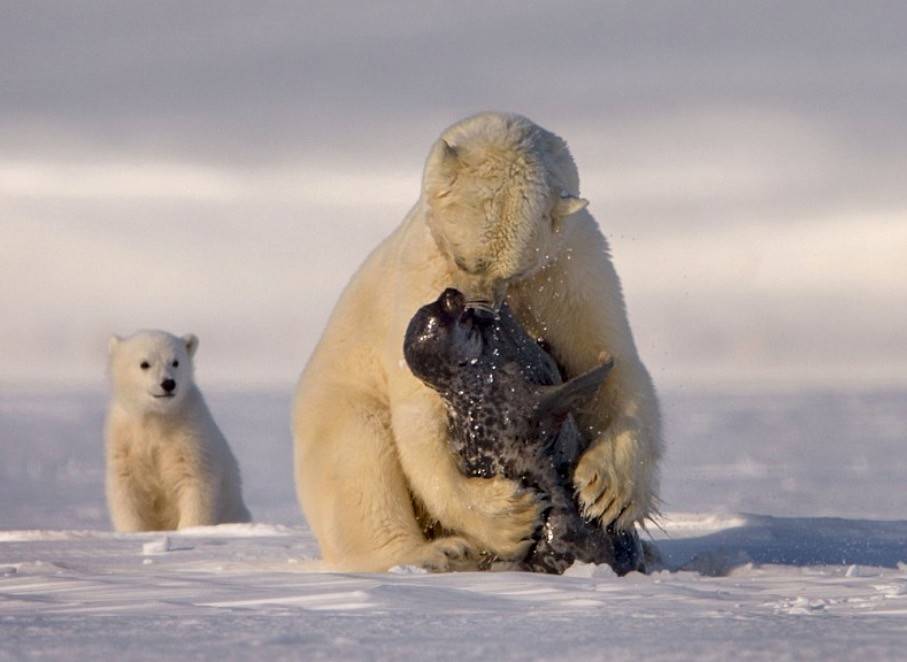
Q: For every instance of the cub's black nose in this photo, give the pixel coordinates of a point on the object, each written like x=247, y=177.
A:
x=168, y=385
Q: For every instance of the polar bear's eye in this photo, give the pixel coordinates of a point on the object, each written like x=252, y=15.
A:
x=175, y=364
x=144, y=365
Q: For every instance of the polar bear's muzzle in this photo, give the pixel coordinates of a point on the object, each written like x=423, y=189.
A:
x=480, y=289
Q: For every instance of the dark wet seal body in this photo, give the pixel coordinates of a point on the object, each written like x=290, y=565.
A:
x=509, y=414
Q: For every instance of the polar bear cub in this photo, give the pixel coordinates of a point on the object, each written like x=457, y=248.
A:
x=168, y=465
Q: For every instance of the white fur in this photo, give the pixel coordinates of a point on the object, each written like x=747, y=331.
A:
x=168, y=465
x=499, y=213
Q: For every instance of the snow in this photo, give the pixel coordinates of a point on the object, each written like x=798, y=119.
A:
x=820, y=573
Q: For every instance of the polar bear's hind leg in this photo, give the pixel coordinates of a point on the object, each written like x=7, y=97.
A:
x=353, y=491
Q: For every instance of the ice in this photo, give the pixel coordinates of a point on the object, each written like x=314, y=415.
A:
x=159, y=546
x=804, y=557
x=238, y=530
x=407, y=570
x=862, y=571
x=587, y=570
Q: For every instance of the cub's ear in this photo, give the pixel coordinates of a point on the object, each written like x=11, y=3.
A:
x=569, y=204
x=190, y=340
x=112, y=343
x=443, y=165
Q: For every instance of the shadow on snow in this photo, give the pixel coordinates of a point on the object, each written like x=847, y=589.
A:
x=793, y=541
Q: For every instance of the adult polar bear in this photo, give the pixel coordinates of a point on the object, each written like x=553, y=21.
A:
x=499, y=215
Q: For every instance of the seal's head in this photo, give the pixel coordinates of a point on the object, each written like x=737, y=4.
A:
x=442, y=336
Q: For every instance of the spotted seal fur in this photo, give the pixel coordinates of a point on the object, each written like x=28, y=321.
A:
x=509, y=414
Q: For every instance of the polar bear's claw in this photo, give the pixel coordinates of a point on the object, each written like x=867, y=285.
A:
x=450, y=553
x=602, y=495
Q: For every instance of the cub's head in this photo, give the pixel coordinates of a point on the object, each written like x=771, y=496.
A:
x=442, y=336
x=151, y=371
x=496, y=190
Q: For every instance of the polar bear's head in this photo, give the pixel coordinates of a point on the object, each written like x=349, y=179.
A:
x=496, y=191
x=151, y=371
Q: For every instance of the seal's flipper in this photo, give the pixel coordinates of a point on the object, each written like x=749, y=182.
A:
x=559, y=400
x=566, y=447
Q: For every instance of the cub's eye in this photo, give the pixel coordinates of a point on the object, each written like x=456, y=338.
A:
x=175, y=364
x=144, y=365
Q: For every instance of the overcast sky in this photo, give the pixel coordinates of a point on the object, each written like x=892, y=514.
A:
x=223, y=168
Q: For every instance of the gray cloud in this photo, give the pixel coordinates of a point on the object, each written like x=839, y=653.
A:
x=265, y=80
x=225, y=166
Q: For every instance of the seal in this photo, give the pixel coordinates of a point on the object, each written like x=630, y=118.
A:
x=509, y=412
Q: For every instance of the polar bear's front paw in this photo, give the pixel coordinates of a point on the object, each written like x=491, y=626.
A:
x=604, y=492
x=505, y=518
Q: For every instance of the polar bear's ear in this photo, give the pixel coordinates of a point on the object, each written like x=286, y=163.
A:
x=112, y=343
x=190, y=340
x=450, y=160
x=569, y=204
x=444, y=164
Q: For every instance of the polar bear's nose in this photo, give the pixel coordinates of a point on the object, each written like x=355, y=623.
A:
x=168, y=385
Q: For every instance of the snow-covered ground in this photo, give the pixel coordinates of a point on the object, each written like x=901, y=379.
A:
x=820, y=574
